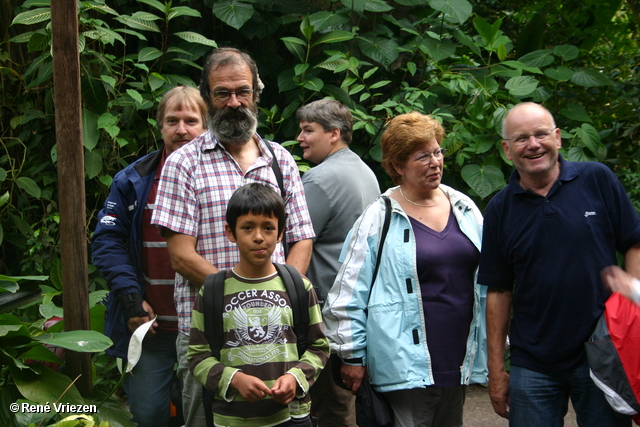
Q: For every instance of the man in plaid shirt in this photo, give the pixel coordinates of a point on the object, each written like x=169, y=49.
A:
x=197, y=182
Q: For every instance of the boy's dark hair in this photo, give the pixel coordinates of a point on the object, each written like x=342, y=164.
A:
x=257, y=199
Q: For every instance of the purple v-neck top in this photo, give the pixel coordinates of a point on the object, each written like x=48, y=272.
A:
x=446, y=262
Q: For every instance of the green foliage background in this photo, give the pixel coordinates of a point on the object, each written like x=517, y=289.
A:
x=461, y=62
x=465, y=63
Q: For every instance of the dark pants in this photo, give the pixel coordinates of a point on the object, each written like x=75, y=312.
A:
x=428, y=407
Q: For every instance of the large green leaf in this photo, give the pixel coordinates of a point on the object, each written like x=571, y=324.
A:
x=233, y=13
x=486, y=30
x=96, y=297
x=458, y=10
x=183, y=11
x=138, y=23
x=48, y=386
x=466, y=41
x=590, y=78
x=29, y=185
x=111, y=411
x=484, y=180
x=367, y=5
x=561, y=74
x=103, y=8
x=19, y=278
x=22, y=225
x=296, y=46
x=383, y=50
x=437, y=49
x=566, y=51
x=41, y=353
x=323, y=20
x=96, y=317
x=335, y=37
x=575, y=112
x=517, y=65
x=538, y=58
x=49, y=310
x=4, y=199
x=90, y=133
x=92, y=163
x=589, y=137
x=33, y=16
x=39, y=41
x=82, y=341
x=149, y=54
x=314, y=84
x=192, y=37
x=94, y=95
x=578, y=154
x=155, y=4
x=12, y=287
x=521, y=85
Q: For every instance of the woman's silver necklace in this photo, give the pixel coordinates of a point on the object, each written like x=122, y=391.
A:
x=418, y=204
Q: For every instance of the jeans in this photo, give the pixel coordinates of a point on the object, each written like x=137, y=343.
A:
x=192, y=407
x=148, y=386
x=538, y=399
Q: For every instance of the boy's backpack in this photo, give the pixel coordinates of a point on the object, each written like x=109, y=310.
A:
x=214, y=304
x=612, y=353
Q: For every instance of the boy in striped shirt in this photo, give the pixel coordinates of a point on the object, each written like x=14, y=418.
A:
x=259, y=379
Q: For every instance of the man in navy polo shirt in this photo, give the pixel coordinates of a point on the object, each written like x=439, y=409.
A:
x=546, y=237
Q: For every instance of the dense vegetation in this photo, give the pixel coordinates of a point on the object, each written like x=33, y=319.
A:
x=464, y=63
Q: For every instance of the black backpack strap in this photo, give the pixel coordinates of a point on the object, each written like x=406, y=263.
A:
x=278, y=173
x=299, y=303
x=213, y=301
x=383, y=235
x=276, y=169
x=213, y=304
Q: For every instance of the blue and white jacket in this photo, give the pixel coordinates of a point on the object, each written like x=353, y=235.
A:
x=389, y=332
x=117, y=243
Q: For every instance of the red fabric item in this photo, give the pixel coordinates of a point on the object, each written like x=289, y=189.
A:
x=623, y=321
x=156, y=262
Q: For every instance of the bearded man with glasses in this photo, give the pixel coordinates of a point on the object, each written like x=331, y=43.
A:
x=198, y=181
x=546, y=238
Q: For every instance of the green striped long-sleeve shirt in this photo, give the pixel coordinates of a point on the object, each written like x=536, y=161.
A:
x=259, y=340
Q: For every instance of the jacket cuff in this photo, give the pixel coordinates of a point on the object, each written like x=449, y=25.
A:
x=132, y=306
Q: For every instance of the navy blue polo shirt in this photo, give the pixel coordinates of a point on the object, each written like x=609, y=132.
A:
x=549, y=251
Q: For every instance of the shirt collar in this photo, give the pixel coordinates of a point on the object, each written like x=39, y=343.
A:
x=568, y=172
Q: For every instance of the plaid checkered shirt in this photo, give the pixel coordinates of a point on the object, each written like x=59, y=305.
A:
x=196, y=184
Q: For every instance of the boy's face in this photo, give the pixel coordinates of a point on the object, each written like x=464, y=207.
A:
x=256, y=237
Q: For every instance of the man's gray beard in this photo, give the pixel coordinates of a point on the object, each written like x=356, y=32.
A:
x=233, y=126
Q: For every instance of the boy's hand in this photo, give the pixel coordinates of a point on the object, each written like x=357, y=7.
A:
x=250, y=387
x=284, y=389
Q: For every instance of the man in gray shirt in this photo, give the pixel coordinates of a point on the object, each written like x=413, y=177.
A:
x=338, y=190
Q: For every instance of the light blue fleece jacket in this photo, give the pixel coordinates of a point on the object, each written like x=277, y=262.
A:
x=389, y=332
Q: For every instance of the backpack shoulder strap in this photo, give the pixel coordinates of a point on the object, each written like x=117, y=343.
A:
x=213, y=295
x=299, y=303
x=383, y=235
x=276, y=169
x=278, y=173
